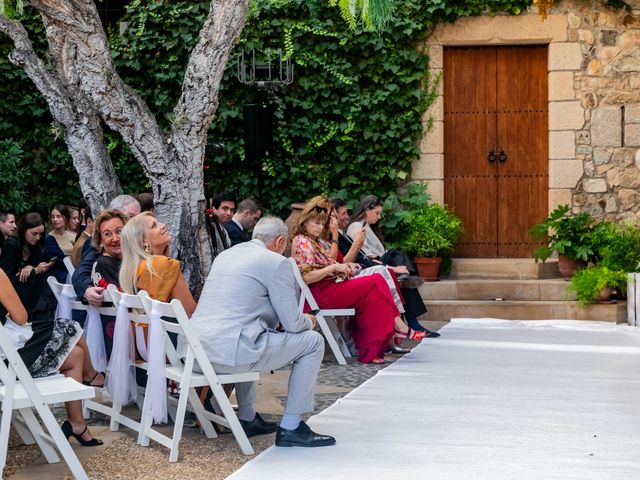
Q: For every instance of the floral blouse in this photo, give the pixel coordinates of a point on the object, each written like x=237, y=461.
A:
x=311, y=254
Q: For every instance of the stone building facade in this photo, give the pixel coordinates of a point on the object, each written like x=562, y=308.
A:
x=594, y=102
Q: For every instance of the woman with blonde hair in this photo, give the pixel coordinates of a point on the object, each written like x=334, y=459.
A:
x=377, y=317
x=146, y=264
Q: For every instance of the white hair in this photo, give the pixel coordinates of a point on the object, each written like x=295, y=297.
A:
x=269, y=228
x=121, y=202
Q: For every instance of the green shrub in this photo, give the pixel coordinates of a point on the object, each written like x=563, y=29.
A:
x=617, y=246
x=432, y=231
x=568, y=235
x=588, y=282
x=13, y=180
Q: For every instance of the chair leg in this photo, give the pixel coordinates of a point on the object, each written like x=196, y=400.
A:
x=185, y=393
x=5, y=425
x=116, y=408
x=19, y=424
x=198, y=409
x=34, y=426
x=146, y=422
x=328, y=334
x=234, y=423
x=61, y=442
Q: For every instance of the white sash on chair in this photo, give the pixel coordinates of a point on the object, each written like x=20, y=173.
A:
x=156, y=380
x=121, y=378
x=64, y=303
x=95, y=339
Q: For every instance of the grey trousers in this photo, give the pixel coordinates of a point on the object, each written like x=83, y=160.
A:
x=305, y=350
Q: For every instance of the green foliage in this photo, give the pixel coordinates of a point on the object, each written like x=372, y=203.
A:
x=397, y=207
x=12, y=8
x=571, y=236
x=350, y=122
x=375, y=14
x=588, y=282
x=12, y=177
x=432, y=231
x=617, y=246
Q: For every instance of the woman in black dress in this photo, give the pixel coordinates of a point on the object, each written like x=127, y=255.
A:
x=59, y=348
x=23, y=261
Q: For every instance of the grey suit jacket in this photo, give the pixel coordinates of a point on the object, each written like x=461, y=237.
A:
x=249, y=291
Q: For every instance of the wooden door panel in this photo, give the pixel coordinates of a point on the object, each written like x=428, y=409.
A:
x=470, y=129
x=522, y=134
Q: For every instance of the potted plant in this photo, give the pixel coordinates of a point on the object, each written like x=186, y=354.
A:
x=570, y=236
x=431, y=232
x=595, y=284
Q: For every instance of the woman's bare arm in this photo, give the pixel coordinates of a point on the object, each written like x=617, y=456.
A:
x=10, y=300
x=182, y=293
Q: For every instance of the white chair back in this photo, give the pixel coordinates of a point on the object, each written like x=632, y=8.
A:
x=326, y=317
x=69, y=265
x=173, y=318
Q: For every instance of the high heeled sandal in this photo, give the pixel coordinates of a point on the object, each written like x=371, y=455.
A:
x=67, y=429
x=89, y=382
x=411, y=334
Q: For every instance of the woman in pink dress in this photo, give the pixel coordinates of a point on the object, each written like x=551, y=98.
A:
x=377, y=317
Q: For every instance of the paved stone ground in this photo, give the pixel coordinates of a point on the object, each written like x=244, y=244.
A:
x=122, y=458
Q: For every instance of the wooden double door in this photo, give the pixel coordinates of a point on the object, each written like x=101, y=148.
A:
x=496, y=146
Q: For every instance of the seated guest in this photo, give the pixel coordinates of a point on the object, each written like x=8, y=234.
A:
x=58, y=243
x=7, y=224
x=82, y=237
x=64, y=239
x=333, y=286
x=248, y=213
x=55, y=346
x=248, y=293
x=73, y=224
x=146, y=265
x=146, y=202
x=224, y=206
x=106, y=267
x=82, y=277
x=23, y=261
x=351, y=249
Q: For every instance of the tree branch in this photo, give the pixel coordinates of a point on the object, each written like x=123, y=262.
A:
x=83, y=131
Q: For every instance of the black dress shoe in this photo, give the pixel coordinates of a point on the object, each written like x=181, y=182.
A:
x=397, y=349
x=302, y=436
x=258, y=426
x=430, y=334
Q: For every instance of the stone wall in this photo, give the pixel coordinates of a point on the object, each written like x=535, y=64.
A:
x=594, y=102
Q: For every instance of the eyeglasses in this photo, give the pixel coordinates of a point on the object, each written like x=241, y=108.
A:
x=319, y=209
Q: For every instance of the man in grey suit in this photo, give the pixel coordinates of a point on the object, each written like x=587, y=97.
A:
x=249, y=293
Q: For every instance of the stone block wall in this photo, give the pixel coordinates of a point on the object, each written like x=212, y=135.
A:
x=594, y=101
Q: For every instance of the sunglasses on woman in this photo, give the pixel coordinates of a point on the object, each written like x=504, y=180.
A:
x=319, y=209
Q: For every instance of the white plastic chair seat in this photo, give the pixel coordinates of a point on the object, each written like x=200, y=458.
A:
x=56, y=389
x=199, y=380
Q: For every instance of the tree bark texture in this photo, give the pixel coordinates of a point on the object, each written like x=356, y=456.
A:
x=81, y=63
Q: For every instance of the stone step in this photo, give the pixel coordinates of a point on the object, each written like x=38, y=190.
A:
x=444, y=310
x=477, y=289
x=502, y=268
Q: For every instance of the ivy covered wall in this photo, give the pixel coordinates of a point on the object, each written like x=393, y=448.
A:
x=348, y=125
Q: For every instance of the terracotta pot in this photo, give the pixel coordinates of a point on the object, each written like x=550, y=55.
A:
x=604, y=296
x=568, y=266
x=428, y=268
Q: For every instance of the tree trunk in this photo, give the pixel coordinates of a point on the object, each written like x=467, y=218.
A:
x=80, y=56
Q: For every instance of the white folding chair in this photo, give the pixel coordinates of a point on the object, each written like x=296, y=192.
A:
x=22, y=393
x=326, y=317
x=183, y=374
x=114, y=411
x=69, y=265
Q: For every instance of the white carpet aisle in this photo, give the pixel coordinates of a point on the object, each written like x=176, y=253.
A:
x=490, y=399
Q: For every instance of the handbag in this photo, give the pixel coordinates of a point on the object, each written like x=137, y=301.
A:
x=19, y=334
